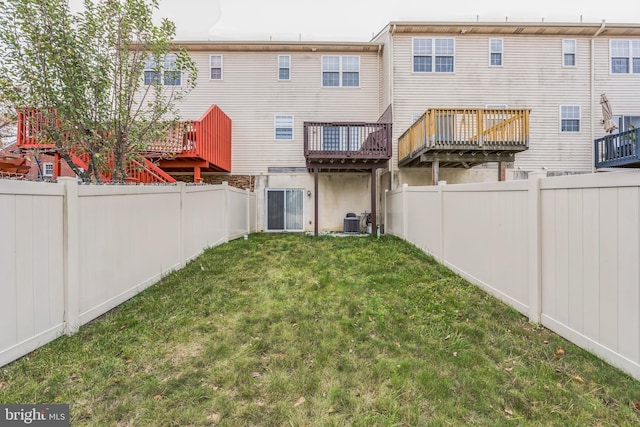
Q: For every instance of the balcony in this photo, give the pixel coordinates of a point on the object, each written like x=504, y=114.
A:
x=453, y=137
x=202, y=145
x=618, y=150
x=347, y=146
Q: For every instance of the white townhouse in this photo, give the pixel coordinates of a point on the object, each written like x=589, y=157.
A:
x=320, y=129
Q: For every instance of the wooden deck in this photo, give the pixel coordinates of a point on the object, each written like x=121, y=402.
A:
x=347, y=146
x=619, y=150
x=202, y=145
x=462, y=138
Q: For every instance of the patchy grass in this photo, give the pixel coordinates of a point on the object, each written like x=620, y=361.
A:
x=298, y=330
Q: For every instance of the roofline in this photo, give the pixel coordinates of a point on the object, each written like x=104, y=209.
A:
x=276, y=46
x=515, y=28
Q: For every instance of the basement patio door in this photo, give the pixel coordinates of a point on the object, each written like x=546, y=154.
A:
x=285, y=210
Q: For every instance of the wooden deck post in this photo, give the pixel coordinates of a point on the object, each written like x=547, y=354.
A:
x=374, y=211
x=502, y=171
x=57, y=169
x=315, y=201
x=435, y=172
x=196, y=175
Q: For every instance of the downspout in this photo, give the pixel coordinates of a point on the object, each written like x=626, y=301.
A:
x=391, y=100
x=592, y=90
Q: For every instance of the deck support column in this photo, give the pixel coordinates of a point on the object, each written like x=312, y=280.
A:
x=435, y=172
x=315, y=201
x=374, y=211
x=56, y=165
x=502, y=171
x=196, y=175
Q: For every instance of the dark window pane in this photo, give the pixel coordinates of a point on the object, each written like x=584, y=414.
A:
x=496, y=59
x=330, y=79
x=283, y=74
x=444, y=64
x=619, y=65
x=422, y=64
x=350, y=79
x=216, y=74
x=570, y=125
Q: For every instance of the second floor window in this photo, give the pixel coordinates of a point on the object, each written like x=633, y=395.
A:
x=284, y=127
x=495, y=52
x=433, y=55
x=284, y=67
x=568, y=53
x=570, y=118
x=216, y=67
x=341, y=71
x=168, y=74
x=625, y=56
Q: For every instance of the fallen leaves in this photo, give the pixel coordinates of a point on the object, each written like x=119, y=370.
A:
x=256, y=374
x=579, y=379
x=559, y=353
x=637, y=405
x=213, y=417
x=158, y=397
x=508, y=411
x=299, y=402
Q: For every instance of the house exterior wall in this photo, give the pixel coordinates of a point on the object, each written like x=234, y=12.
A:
x=532, y=76
x=251, y=95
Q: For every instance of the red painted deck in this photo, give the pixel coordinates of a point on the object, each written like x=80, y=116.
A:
x=203, y=145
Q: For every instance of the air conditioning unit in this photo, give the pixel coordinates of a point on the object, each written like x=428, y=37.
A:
x=351, y=225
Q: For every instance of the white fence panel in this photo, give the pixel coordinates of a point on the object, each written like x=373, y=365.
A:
x=31, y=267
x=70, y=253
x=485, y=237
x=394, y=213
x=425, y=212
x=565, y=250
x=590, y=263
x=238, y=202
x=128, y=238
x=205, y=218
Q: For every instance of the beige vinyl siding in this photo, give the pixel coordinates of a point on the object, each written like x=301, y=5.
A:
x=622, y=90
x=251, y=96
x=532, y=77
x=385, y=63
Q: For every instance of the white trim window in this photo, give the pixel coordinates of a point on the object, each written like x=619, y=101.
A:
x=626, y=123
x=625, y=56
x=340, y=71
x=47, y=170
x=569, y=118
x=568, y=52
x=433, y=55
x=168, y=74
x=284, y=67
x=215, y=65
x=495, y=52
x=283, y=127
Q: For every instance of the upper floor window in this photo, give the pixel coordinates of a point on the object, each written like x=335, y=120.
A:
x=433, y=55
x=568, y=53
x=284, y=67
x=215, y=63
x=570, y=118
x=168, y=74
x=495, y=52
x=283, y=127
x=625, y=56
x=341, y=71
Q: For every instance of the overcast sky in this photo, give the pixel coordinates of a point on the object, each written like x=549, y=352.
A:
x=358, y=20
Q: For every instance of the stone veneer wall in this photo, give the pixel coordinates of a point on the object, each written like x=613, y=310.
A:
x=238, y=181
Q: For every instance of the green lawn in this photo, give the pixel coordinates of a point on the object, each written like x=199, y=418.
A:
x=294, y=330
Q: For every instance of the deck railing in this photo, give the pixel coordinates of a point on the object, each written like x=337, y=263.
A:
x=347, y=140
x=616, y=150
x=455, y=128
x=213, y=139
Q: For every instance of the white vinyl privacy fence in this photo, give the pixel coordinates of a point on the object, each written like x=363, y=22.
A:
x=70, y=252
x=564, y=251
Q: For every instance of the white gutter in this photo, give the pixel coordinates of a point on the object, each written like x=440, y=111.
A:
x=391, y=100
x=592, y=91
